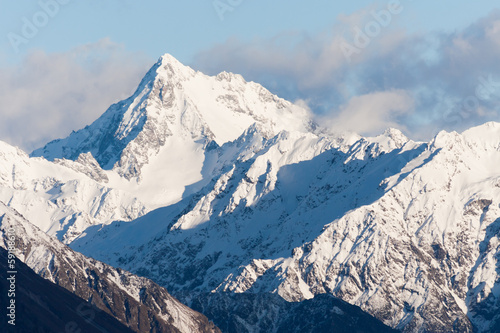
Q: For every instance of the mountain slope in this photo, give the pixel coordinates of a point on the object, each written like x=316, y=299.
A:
x=63, y=198
x=270, y=313
x=136, y=302
x=405, y=230
x=44, y=307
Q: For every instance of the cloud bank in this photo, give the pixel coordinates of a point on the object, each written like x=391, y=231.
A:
x=371, y=113
x=48, y=95
x=364, y=74
x=350, y=73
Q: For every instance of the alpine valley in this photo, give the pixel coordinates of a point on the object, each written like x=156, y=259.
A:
x=243, y=208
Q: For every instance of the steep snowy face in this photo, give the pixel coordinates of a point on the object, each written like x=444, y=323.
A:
x=408, y=231
x=260, y=183
x=176, y=105
x=154, y=144
x=246, y=170
x=256, y=208
x=422, y=256
x=63, y=197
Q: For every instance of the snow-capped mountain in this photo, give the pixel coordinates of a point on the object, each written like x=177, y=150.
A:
x=212, y=184
x=408, y=231
x=146, y=152
x=165, y=127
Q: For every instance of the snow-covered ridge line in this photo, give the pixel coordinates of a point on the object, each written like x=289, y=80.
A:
x=386, y=223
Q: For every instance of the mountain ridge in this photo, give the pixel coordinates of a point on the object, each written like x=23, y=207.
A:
x=415, y=160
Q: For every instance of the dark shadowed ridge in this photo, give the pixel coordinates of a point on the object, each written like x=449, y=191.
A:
x=268, y=312
x=42, y=306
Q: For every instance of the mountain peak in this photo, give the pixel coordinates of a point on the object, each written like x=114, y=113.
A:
x=174, y=102
x=486, y=135
x=167, y=58
x=393, y=132
x=392, y=138
x=169, y=67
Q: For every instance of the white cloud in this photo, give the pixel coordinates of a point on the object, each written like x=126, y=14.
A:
x=440, y=71
x=48, y=95
x=372, y=113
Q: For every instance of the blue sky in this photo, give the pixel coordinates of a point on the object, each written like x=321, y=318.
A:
x=183, y=28
x=429, y=60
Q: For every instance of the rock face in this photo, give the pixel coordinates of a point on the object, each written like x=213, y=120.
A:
x=42, y=306
x=212, y=184
x=136, y=302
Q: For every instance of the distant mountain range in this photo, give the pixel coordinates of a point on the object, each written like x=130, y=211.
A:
x=245, y=209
